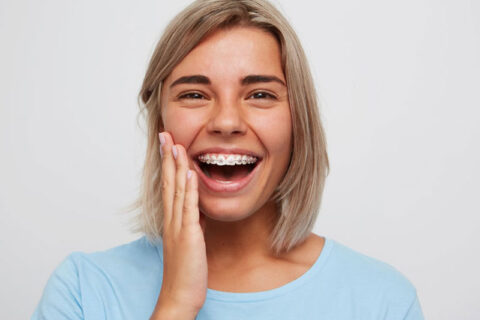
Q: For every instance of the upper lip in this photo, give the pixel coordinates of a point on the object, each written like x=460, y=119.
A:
x=226, y=151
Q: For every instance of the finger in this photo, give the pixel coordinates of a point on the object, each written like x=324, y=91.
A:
x=203, y=221
x=180, y=180
x=190, y=205
x=167, y=180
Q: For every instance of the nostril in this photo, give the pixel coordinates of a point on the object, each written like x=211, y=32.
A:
x=232, y=132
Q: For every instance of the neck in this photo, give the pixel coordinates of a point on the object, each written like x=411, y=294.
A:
x=247, y=241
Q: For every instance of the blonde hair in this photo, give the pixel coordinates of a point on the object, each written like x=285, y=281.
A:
x=299, y=195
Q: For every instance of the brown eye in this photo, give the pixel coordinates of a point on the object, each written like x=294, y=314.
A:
x=262, y=95
x=192, y=95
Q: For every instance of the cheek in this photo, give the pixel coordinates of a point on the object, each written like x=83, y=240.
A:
x=182, y=124
x=275, y=131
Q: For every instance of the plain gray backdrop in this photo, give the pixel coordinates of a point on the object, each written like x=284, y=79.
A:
x=399, y=88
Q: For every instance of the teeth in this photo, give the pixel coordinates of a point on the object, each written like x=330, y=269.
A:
x=226, y=159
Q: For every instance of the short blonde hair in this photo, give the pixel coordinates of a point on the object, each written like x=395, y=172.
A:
x=299, y=195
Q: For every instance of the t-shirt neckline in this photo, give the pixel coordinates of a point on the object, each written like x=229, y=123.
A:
x=268, y=294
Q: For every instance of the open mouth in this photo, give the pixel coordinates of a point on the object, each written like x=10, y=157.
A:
x=226, y=173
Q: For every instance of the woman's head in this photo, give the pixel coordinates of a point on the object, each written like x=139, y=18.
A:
x=228, y=96
x=230, y=106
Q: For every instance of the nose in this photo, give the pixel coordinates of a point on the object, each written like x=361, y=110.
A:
x=227, y=119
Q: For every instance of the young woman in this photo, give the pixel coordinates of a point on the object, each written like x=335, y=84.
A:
x=229, y=202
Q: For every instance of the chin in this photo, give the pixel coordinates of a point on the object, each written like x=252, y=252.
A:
x=225, y=212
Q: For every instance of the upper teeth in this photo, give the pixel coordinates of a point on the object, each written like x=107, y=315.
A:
x=226, y=159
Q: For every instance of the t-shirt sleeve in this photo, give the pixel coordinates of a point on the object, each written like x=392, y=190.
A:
x=61, y=298
x=414, y=311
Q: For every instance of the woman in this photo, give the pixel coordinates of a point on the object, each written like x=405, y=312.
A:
x=229, y=202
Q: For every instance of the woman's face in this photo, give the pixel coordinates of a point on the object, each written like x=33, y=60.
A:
x=229, y=93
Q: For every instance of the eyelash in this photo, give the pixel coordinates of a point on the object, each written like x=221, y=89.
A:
x=200, y=96
x=189, y=95
x=266, y=94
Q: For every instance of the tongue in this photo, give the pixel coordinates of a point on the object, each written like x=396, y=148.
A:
x=228, y=173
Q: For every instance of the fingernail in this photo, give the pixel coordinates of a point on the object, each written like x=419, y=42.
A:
x=174, y=151
x=189, y=174
x=161, y=152
x=162, y=138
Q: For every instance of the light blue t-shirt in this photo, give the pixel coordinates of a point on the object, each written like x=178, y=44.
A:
x=124, y=283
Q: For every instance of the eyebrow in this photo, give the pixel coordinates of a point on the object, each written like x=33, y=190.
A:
x=250, y=79
x=198, y=79
x=257, y=78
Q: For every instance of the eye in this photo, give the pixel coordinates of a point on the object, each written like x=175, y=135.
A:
x=192, y=95
x=262, y=95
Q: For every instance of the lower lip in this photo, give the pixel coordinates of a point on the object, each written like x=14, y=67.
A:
x=225, y=186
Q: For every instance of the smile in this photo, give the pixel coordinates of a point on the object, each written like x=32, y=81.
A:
x=226, y=173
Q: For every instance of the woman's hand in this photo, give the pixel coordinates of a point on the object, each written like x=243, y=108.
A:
x=185, y=278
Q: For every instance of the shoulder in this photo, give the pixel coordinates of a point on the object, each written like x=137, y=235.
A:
x=360, y=268
x=81, y=277
x=115, y=264
x=371, y=280
x=138, y=252
x=135, y=254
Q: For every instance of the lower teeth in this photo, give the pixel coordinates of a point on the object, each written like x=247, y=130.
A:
x=224, y=181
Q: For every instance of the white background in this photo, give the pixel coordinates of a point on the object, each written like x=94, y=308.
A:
x=399, y=86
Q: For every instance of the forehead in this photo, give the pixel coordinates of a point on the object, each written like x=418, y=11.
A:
x=233, y=53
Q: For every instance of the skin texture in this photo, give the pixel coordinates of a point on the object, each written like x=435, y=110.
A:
x=227, y=114
x=222, y=238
